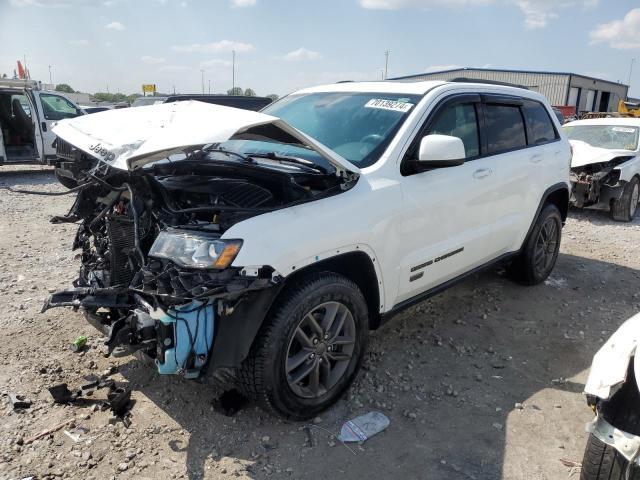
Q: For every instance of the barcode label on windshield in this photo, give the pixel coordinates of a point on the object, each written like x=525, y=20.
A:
x=623, y=129
x=389, y=105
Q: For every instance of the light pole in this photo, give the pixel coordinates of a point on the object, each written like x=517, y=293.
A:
x=386, y=63
x=50, y=80
x=630, y=70
x=233, y=70
x=209, y=86
x=202, y=72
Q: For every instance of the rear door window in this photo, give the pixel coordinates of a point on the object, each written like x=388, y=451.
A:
x=504, y=128
x=540, y=128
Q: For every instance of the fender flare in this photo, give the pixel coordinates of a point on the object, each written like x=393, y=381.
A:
x=553, y=189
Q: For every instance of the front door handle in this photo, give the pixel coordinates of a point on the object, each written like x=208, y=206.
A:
x=44, y=126
x=482, y=173
x=535, y=158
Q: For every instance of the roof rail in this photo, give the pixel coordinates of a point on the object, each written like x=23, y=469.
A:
x=489, y=82
x=13, y=83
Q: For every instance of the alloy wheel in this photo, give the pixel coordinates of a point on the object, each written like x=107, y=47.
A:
x=546, y=246
x=635, y=196
x=320, y=350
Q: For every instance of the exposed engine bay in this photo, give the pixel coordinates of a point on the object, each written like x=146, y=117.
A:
x=155, y=275
x=596, y=183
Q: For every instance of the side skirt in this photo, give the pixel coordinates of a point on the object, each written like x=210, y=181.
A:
x=443, y=286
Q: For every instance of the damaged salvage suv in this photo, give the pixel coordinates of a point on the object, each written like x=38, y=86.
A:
x=267, y=244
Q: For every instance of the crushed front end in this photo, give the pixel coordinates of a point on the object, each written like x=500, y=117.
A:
x=596, y=184
x=156, y=276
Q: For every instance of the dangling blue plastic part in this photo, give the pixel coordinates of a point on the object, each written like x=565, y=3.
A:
x=193, y=326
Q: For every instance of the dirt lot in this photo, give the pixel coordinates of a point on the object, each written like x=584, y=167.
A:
x=481, y=382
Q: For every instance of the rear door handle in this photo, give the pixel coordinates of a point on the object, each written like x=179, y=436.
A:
x=482, y=173
x=535, y=158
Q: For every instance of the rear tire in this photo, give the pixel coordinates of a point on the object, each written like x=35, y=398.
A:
x=540, y=250
x=293, y=340
x=624, y=209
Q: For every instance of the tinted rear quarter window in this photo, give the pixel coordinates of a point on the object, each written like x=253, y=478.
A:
x=539, y=124
x=504, y=128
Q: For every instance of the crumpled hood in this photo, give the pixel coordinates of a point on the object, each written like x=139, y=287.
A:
x=129, y=138
x=585, y=154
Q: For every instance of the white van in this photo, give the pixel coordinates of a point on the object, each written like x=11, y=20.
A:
x=27, y=114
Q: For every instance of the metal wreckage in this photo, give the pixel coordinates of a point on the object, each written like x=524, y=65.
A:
x=155, y=274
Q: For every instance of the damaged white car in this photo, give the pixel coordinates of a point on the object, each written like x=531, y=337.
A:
x=269, y=244
x=613, y=448
x=605, y=170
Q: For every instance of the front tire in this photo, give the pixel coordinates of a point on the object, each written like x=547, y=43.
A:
x=624, y=209
x=309, y=350
x=540, y=250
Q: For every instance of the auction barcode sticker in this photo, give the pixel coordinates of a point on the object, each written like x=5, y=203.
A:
x=624, y=129
x=389, y=105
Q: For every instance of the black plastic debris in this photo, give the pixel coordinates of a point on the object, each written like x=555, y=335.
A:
x=62, y=394
x=19, y=401
x=118, y=400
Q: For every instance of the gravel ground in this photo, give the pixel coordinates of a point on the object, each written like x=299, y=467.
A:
x=481, y=382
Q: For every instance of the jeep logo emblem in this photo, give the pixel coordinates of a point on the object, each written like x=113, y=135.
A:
x=103, y=152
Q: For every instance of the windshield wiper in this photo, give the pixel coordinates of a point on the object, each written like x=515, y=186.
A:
x=229, y=153
x=293, y=160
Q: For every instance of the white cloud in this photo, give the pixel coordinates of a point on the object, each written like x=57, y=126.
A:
x=215, y=47
x=152, y=60
x=114, y=26
x=621, y=34
x=174, y=68
x=216, y=62
x=41, y=3
x=537, y=13
x=301, y=54
x=243, y=3
x=79, y=43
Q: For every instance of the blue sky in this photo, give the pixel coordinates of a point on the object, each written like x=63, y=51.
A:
x=283, y=45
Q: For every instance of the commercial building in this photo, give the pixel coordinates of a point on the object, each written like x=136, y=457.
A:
x=567, y=90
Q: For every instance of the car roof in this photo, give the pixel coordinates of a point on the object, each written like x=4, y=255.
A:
x=409, y=88
x=630, y=122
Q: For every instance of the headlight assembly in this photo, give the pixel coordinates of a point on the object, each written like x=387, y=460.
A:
x=195, y=250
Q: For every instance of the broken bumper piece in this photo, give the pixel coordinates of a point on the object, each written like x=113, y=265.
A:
x=627, y=444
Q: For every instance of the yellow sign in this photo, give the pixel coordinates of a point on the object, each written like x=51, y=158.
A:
x=149, y=88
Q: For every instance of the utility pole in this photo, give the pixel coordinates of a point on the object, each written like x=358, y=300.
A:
x=233, y=70
x=382, y=73
x=50, y=80
x=386, y=63
x=209, y=87
x=174, y=89
x=630, y=70
x=202, y=72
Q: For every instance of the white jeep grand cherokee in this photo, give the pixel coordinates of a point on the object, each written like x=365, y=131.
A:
x=271, y=243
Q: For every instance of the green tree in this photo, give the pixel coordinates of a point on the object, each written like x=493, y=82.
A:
x=249, y=92
x=273, y=97
x=63, y=87
x=235, y=91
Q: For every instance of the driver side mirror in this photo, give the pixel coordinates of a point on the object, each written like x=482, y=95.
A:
x=438, y=151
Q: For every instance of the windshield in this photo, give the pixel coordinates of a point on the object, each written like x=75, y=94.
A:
x=613, y=137
x=357, y=126
x=143, y=101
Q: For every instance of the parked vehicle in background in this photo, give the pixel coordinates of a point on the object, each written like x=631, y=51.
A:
x=605, y=169
x=236, y=101
x=613, y=448
x=27, y=114
x=292, y=232
x=95, y=109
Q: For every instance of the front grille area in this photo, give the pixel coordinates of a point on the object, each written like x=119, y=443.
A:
x=64, y=149
x=121, y=242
